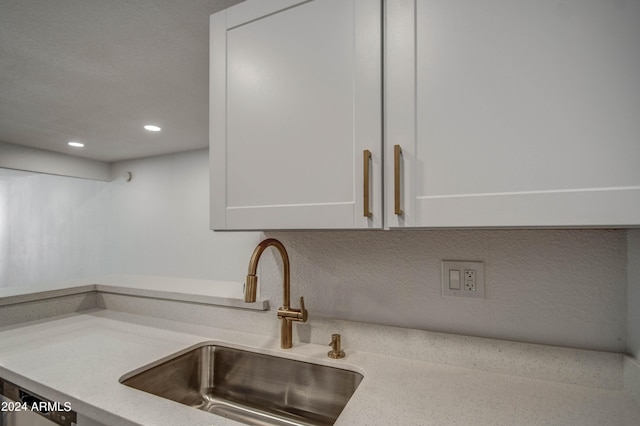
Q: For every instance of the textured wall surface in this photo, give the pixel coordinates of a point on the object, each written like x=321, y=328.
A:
x=556, y=287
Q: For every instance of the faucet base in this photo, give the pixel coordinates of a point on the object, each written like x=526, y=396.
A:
x=334, y=355
x=286, y=334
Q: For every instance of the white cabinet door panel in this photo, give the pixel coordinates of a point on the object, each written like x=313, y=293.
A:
x=295, y=99
x=525, y=113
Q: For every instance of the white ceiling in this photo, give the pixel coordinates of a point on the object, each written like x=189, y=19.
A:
x=96, y=71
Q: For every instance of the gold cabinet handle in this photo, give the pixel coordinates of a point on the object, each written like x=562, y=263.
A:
x=366, y=160
x=397, y=151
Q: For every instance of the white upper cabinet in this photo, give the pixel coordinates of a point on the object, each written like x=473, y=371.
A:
x=295, y=103
x=496, y=113
x=512, y=113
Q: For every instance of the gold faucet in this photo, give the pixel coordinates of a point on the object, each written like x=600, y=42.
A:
x=286, y=314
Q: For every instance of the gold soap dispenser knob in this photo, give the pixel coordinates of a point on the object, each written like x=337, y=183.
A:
x=335, y=351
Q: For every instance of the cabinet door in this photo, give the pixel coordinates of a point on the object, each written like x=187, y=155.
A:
x=295, y=102
x=513, y=112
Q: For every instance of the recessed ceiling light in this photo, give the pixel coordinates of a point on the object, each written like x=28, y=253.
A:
x=76, y=144
x=152, y=128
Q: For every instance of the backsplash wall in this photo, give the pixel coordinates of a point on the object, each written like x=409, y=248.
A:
x=558, y=287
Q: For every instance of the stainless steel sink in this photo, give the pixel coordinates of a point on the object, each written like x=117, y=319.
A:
x=252, y=388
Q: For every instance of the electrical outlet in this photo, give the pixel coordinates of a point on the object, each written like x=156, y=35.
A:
x=463, y=278
x=470, y=279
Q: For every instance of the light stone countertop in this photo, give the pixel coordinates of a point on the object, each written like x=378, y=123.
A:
x=80, y=357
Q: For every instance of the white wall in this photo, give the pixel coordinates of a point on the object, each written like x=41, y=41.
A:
x=161, y=222
x=633, y=295
x=157, y=224
x=558, y=287
x=57, y=228
x=4, y=229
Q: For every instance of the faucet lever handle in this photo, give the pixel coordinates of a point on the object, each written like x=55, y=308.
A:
x=303, y=311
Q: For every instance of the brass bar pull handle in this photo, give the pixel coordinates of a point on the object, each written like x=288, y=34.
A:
x=397, y=151
x=366, y=161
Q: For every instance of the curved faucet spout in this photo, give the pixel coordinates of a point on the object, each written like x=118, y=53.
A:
x=286, y=314
x=251, y=287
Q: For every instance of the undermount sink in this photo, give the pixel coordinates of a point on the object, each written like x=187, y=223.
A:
x=249, y=387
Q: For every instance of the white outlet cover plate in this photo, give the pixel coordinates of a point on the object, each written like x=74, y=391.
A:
x=461, y=266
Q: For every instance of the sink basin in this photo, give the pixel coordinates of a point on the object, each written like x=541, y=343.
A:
x=249, y=387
